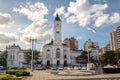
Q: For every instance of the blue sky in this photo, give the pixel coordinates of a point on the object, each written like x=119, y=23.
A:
x=21, y=20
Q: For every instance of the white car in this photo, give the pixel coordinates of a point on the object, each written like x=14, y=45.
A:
x=84, y=68
x=76, y=67
x=60, y=67
x=70, y=68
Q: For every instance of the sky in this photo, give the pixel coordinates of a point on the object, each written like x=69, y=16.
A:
x=22, y=20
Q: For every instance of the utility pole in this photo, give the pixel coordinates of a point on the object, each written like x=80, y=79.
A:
x=32, y=62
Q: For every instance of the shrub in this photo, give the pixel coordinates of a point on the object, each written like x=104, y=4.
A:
x=8, y=77
x=18, y=72
x=23, y=73
x=12, y=72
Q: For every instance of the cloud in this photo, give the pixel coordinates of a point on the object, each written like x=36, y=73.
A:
x=79, y=37
x=90, y=29
x=6, y=37
x=60, y=10
x=34, y=12
x=115, y=18
x=39, y=28
x=84, y=13
x=101, y=20
x=5, y=19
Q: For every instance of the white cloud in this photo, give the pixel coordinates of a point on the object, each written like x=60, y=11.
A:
x=7, y=37
x=34, y=12
x=79, y=37
x=71, y=19
x=101, y=20
x=5, y=19
x=85, y=13
x=37, y=30
x=40, y=28
x=90, y=29
x=115, y=18
x=60, y=10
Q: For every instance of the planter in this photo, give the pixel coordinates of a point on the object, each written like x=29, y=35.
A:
x=111, y=70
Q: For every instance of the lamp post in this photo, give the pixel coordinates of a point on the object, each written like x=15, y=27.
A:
x=32, y=42
x=88, y=64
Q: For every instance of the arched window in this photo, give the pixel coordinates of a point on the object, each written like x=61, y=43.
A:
x=65, y=50
x=65, y=56
x=57, y=53
x=47, y=55
x=48, y=50
x=57, y=49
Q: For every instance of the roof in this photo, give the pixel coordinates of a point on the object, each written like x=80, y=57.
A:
x=50, y=43
x=14, y=47
x=57, y=18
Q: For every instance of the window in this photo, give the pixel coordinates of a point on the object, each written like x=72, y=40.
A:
x=57, y=53
x=47, y=55
x=57, y=49
x=13, y=57
x=57, y=32
x=19, y=62
x=65, y=50
x=19, y=56
x=48, y=50
x=65, y=56
x=57, y=24
x=11, y=62
x=10, y=57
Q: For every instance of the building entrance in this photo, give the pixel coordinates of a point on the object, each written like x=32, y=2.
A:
x=48, y=63
x=65, y=63
x=58, y=62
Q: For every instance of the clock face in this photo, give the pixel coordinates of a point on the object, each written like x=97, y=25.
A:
x=57, y=24
x=57, y=32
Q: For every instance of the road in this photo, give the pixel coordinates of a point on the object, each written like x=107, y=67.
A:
x=71, y=75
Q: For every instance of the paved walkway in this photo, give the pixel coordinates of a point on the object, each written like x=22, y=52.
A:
x=61, y=75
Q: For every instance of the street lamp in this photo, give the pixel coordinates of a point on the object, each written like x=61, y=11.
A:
x=88, y=64
x=32, y=42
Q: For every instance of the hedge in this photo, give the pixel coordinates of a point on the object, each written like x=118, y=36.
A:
x=111, y=70
x=8, y=77
x=18, y=72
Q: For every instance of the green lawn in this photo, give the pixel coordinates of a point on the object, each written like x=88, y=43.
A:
x=7, y=77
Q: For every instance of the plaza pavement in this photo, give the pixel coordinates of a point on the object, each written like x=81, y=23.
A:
x=71, y=75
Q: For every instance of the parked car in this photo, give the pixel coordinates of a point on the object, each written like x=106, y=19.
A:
x=60, y=67
x=84, y=68
x=54, y=68
x=41, y=68
x=3, y=68
x=69, y=67
x=76, y=67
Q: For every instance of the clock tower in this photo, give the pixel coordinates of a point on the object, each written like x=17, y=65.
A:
x=57, y=30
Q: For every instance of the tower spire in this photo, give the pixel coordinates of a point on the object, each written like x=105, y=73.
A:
x=57, y=18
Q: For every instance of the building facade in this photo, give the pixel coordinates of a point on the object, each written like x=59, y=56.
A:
x=15, y=57
x=105, y=48
x=115, y=39
x=72, y=43
x=93, y=48
x=55, y=52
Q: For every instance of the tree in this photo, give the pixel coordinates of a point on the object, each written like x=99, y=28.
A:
x=117, y=51
x=109, y=57
x=3, y=58
x=28, y=56
x=82, y=59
